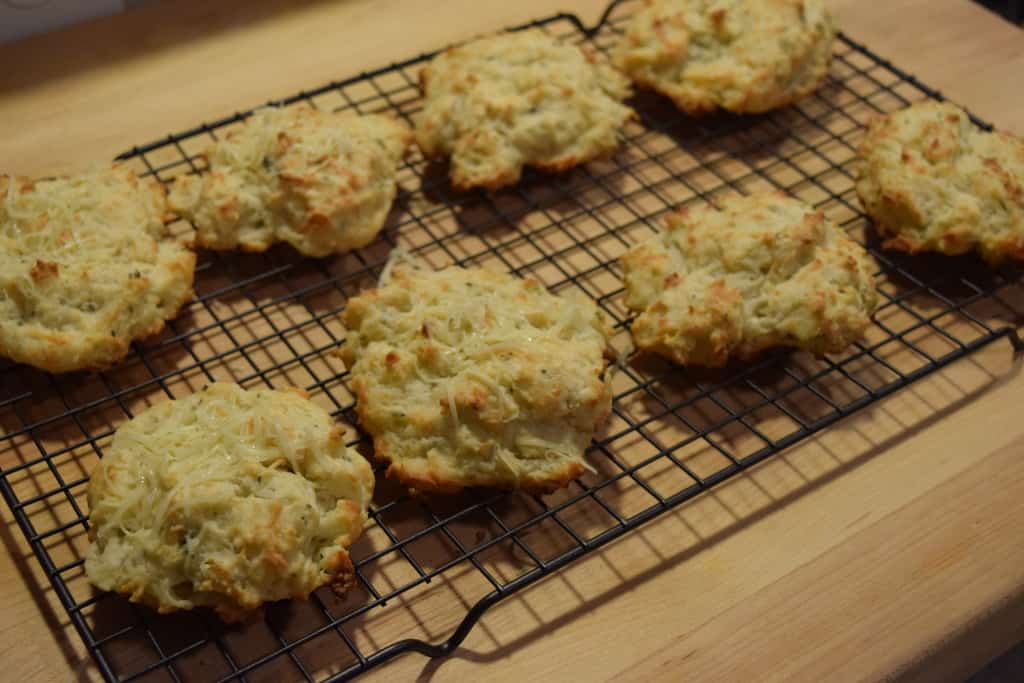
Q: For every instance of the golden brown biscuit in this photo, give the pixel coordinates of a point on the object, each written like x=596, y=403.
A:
x=228, y=499
x=933, y=181
x=745, y=56
x=322, y=182
x=754, y=273
x=476, y=378
x=518, y=99
x=86, y=267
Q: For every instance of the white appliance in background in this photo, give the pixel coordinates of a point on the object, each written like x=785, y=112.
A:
x=23, y=18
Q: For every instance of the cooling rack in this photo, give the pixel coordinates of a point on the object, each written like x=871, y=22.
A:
x=272, y=319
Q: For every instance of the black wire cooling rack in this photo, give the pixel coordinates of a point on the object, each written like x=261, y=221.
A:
x=271, y=319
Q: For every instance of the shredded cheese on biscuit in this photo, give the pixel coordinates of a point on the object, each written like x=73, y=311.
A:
x=474, y=378
x=86, y=267
x=226, y=498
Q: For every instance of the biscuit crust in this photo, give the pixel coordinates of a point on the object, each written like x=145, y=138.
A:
x=933, y=181
x=476, y=378
x=744, y=56
x=519, y=99
x=228, y=499
x=757, y=272
x=320, y=181
x=86, y=267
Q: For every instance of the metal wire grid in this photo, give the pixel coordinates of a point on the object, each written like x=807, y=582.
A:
x=271, y=319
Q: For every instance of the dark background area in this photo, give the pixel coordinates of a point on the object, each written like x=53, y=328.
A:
x=1011, y=9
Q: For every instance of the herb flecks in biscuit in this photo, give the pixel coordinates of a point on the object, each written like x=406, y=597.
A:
x=86, y=267
x=933, y=181
x=498, y=104
x=744, y=56
x=320, y=181
x=226, y=498
x=757, y=272
x=476, y=378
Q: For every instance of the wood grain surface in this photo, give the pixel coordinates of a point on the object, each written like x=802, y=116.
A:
x=888, y=546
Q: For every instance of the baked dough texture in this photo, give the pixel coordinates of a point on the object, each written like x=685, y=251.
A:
x=744, y=56
x=228, y=499
x=477, y=378
x=933, y=181
x=320, y=181
x=757, y=272
x=519, y=99
x=86, y=266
